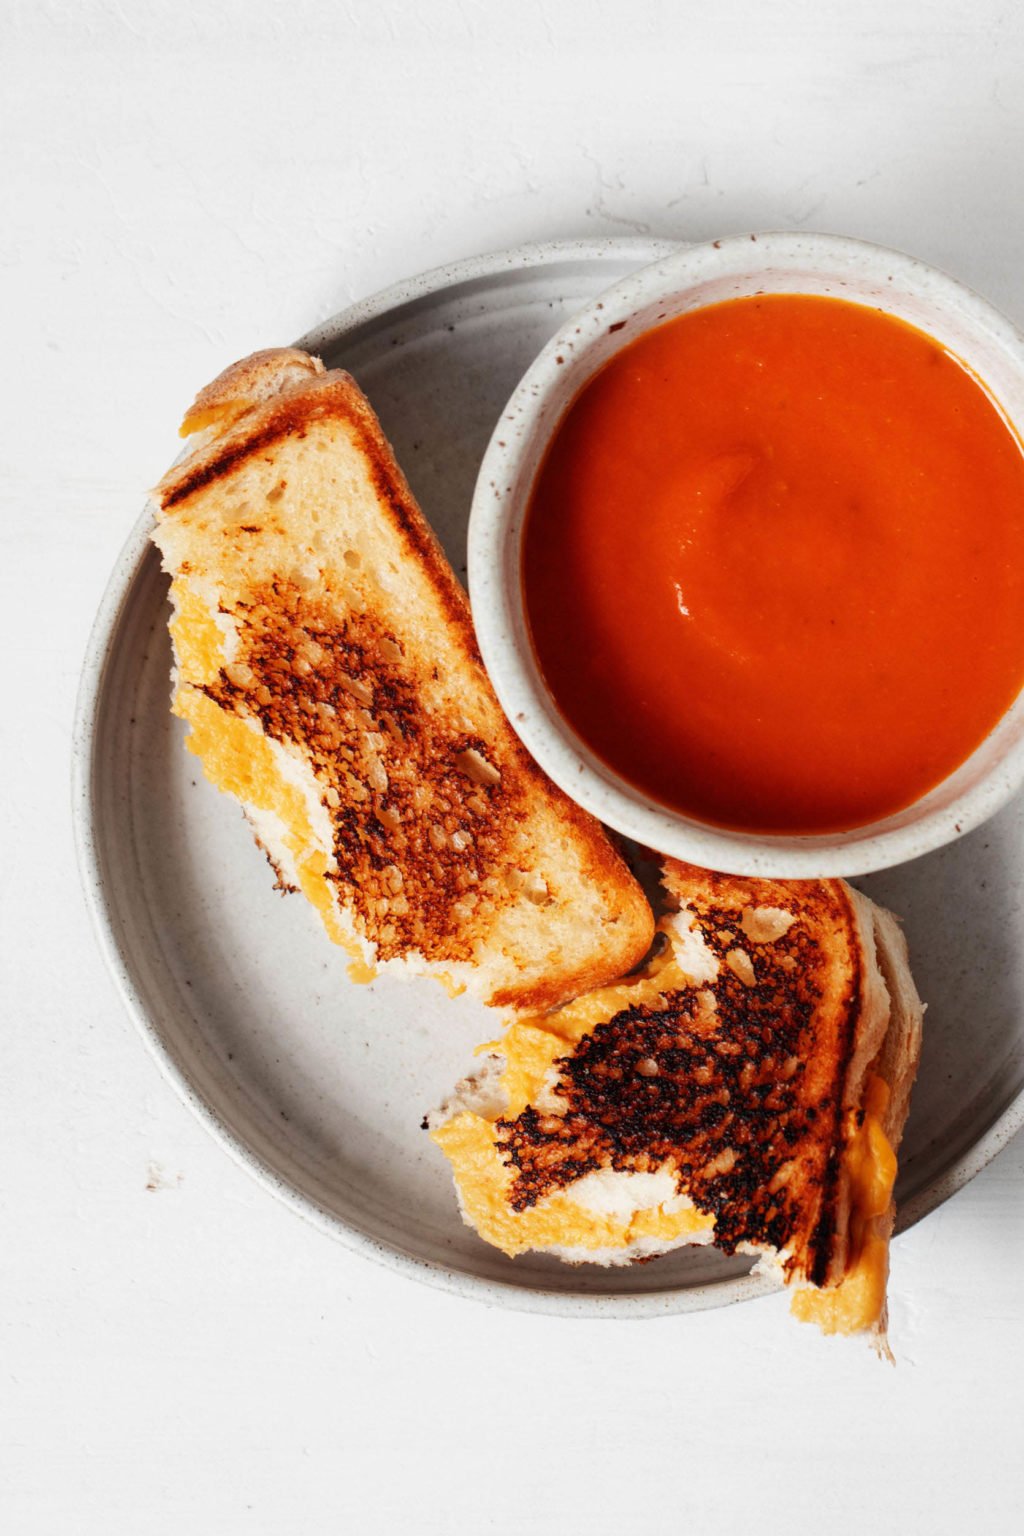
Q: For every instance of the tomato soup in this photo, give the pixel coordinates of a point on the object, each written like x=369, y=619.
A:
x=773, y=564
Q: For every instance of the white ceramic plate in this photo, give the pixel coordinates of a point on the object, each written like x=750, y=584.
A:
x=317, y=1085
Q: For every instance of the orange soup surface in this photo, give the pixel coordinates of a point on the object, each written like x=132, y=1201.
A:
x=773, y=564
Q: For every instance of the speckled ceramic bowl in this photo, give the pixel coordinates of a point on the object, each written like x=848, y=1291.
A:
x=689, y=279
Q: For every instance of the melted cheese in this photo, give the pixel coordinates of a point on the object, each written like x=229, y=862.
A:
x=212, y=416
x=198, y=639
x=237, y=758
x=530, y=1049
x=857, y=1302
x=583, y=1227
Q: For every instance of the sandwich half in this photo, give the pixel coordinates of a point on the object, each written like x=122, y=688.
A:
x=748, y=1088
x=325, y=661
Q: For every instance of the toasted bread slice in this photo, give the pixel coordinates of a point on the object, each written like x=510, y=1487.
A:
x=748, y=1088
x=326, y=664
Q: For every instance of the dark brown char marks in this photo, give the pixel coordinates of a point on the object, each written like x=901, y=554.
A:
x=418, y=832
x=716, y=1086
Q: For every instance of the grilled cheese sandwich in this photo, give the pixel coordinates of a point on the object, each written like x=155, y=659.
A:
x=747, y=1087
x=326, y=666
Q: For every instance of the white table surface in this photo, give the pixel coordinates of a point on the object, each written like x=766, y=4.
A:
x=185, y=182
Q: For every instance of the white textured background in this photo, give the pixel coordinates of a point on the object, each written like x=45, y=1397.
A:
x=182, y=183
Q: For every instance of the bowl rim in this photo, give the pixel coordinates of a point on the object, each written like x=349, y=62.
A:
x=527, y=425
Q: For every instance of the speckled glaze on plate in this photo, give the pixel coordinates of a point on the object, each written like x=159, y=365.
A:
x=316, y=1085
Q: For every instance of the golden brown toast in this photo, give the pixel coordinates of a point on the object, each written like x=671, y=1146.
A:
x=326, y=664
x=748, y=1087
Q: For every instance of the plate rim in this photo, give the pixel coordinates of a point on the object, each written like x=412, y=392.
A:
x=98, y=654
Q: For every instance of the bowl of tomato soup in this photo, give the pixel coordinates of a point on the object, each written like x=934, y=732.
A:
x=747, y=557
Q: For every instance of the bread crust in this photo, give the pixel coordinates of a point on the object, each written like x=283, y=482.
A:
x=245, y=383
x=897, y=1060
